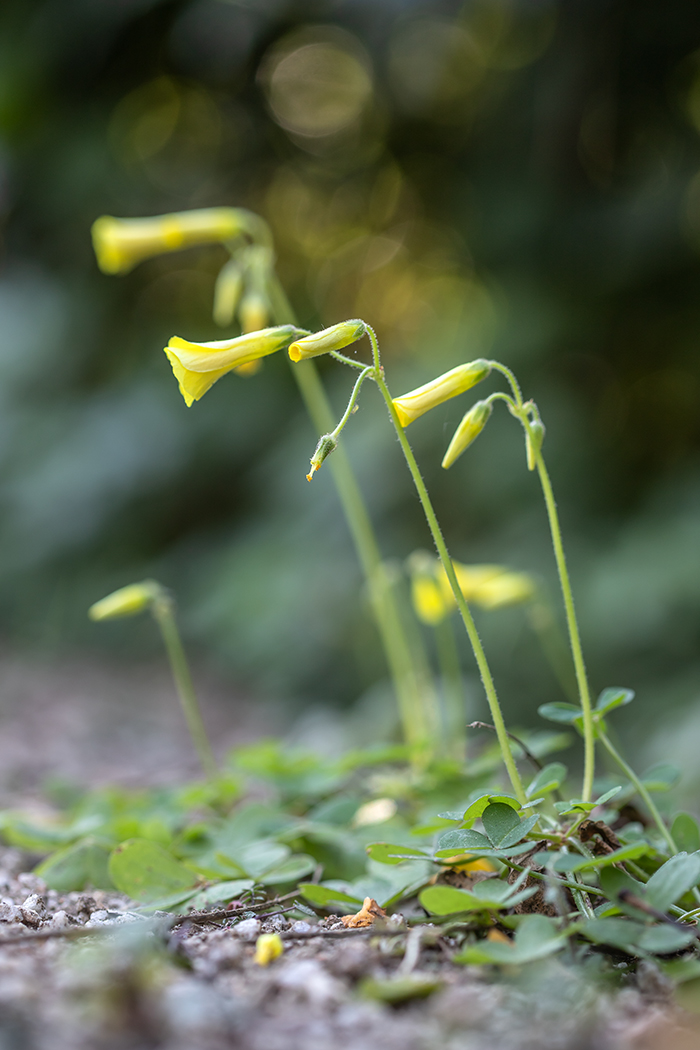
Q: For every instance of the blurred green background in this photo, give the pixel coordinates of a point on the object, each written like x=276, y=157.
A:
x=511, y=178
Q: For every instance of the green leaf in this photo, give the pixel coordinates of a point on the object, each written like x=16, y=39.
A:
x=662, y=940
x=685, y=832
x=609, y=699
x=322, y=896
x=566, y=714
x=221, y=893
x=577, y=804
x=77, y=867
x=262, y=856
x=490, y=894
x=503, y=825
x=385, y=853
x=674, y=878
x=479, y=805
x=463, y=839
x=661, y=777
x=145, y=871
x=636, y=938
x=291, y=870
x=499, y=820
x=399, y=989
x=548, y=779
x=536, y=937
x=572, y=862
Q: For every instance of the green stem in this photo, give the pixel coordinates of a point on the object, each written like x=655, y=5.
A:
x=164, y=615
x=639, y=785
x=453, y=693
x=574, y=637
x=352, y=402
x=409, y=684
x=434, y=525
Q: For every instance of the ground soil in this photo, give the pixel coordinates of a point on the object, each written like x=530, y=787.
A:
x=82, y=971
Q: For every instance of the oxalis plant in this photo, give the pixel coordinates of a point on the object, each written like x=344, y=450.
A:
x=602, y=869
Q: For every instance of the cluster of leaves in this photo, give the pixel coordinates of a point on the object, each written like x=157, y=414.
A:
x=553, y=871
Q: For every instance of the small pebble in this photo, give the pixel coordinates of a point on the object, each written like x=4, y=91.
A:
x=301, y=927
x=248, y=929
x=9, y=912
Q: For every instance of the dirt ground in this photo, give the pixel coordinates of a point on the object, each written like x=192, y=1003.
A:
x=84, y=971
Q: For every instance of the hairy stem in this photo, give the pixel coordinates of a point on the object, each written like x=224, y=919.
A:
x=164, y=616
x=641, y=788
x=574, y=637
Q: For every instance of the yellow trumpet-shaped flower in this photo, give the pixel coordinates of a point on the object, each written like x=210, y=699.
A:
x=509, y=588
x=197, y=366
x=268, y=947
x=127, y=601
x=323, y=342
x=472, y=578
x=430, y=603
x=122, y=243
x=413, y=404
x=468, y=430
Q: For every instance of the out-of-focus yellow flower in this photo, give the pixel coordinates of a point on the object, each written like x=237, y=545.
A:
x=510, y=588
x=227, y=292
x=413, y=404
x=122, y=243
x=468, y=430
x=127, y=601
x=197, y=366
x=490, y=586
x=268, y=947
x=323, y=342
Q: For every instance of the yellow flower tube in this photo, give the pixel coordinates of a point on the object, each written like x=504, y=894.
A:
x=509, y=588
x=413, y=404
x=197, y=366
x=122, y=243
x=323, y=342
x=127, y=601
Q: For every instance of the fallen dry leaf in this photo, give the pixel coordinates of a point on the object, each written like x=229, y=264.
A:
x=366, y=916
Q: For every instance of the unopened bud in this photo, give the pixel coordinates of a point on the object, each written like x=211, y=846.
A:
x=326, y=445
x=122, y=243
x=227, y=293
x=413, y=404
x=471, y=426
x=534, y=438
x=254, y=312
x=334, y=338
x=127, y=601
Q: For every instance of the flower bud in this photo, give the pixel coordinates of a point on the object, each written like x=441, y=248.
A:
x=413, y=404
x=431, y=600
x=227, y=292
x=334, y=338
x=127, y=601
x=326, y=445
x=268, y=947
x=533, y=439
x=471, y=426
x=122, y=243
x=197, y=366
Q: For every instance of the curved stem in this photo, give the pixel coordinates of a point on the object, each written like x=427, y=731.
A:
x=434, y=525
x=641, y=788
x=574, y=637
x=164, y=616
x=411, y=687
x=510, y=376
x=353, y=400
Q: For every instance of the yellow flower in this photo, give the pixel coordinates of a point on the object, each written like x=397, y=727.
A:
x=268, y=947
x=334, y=338
x=413, y=404
x=227, y=292
x=468, y=430
x=127, y=601
x=430, y=603
x=510, y=588
x=472, y=578
x=197, y=366
x=122, y=243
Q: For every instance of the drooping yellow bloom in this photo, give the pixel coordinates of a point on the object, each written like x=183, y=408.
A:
x=468, y=430
x=413, y=404
x=323, y=342
x=122, y=243
x=510, y=588
x=227, y=292
x=127, y=601
x=268, y=947
x=197, y=366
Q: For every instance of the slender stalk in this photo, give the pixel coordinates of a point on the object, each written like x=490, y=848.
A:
x=453, y=693
x=574, y=637
x=353, y=401
x=164, y=615
x=641, y=788
x=409, y=684
x=434, y=525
